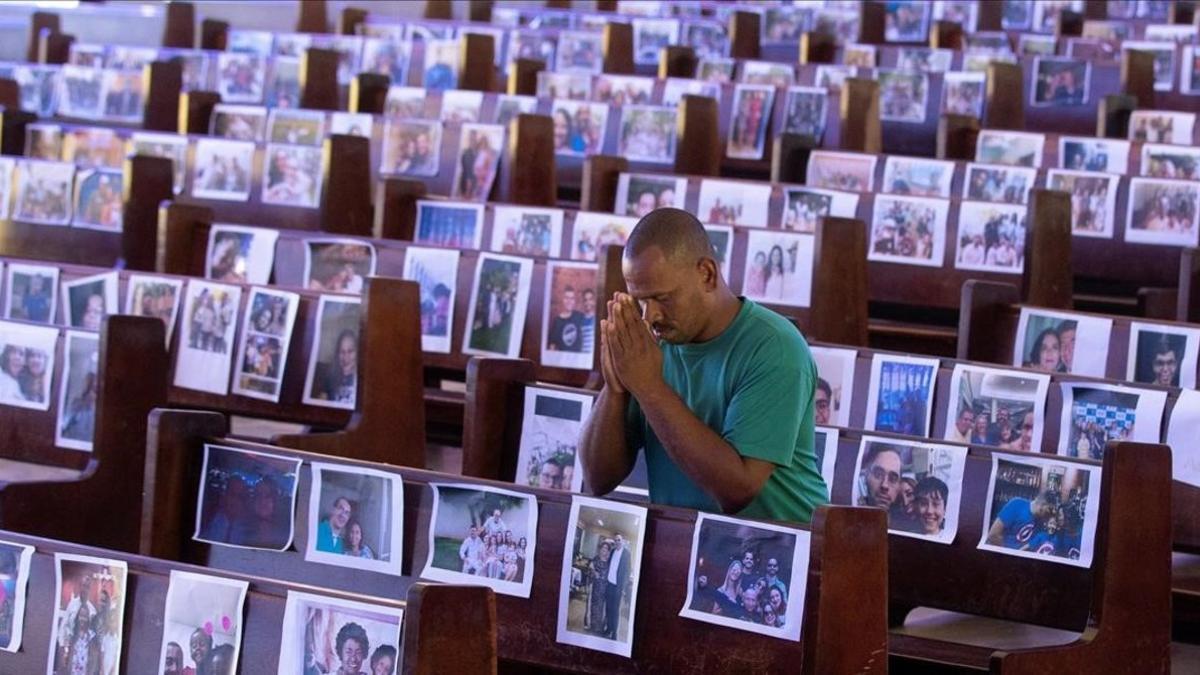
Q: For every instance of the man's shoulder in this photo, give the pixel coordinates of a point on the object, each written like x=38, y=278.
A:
x=773, y=336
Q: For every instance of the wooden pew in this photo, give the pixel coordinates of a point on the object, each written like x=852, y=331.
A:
x=468, y=644
x=845, y=577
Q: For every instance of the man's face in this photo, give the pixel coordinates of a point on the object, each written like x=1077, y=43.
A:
x=568, y=475
x=1002, y=417
x=568, y=302
x=352, y=656
x=645, y=204
x=966, y=418
x=422, y=144
x=1066, y=341
x=620, y=542
x=173, y=663
x=550, y=476
x=772, y=567
x=472, y=532
x=821, y=407
x=341, y=512
x=748, y=561
x=750, y=600
x=671, y=295
x=496, y=514
x=883, y=478
x=1165, y=367
x=931, y=510
x=1045, y=511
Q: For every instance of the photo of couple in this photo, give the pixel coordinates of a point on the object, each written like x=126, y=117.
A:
x=920, y=486
x=351, y=518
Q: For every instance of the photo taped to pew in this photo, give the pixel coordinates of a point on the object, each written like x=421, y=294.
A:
x=550, y=428
x=241, y=77
x=246, y=499
x=602, y=560
x=1160, y=160
x=325, y=634
x=98, y=199
x=859, y=56
x=996, y=407
x=293, y=175
x=441, y=65
x=804, y=207
x=7, y=166
x=90, y=299
x=1093, y=200
x=1164, y=60
x=1182, y=431
x=848, y=171
x=727, y=202
x=338, y=265
x=238, y=122
x=89, y=614
x=1093, y=414
x=478, y=156
x=591, y=232
x=903, y=97
x=1042, y=507
x=676, y=88
x=411, y=147
x=1161, y=126
x=296, y=127
x=779, y=268
x=355, y=518
x=562, y=87
x=748, y=575
x=81, y=92
x=900, y=394
x=156, y=297
x=906, y=21
x=266, y=336
x=918, y=484
x=1062, y=342
x=716, y=70
x=1105, y=155
x=826, y=448
x=38, y=86
x=579, y=128
x=1011, y=148
x=238, y=254
x=202, y=624
x=785, y=24
x=44, y=192
x=842, y=23
x=765, y=73
x=350, y=124
x=27, y=357
x=569, y=316
x=647, y=134
x=909, y=230
x=461, y=107
x=449, y=224
x=77, y=393
x=720, y=237
x=805, y=111
x=751, y=115
x=650, y=36
x=998, y=183
x=623, y=90
x=963, y=93
x=436, y=271
x=1162, y=354
x=1189, y=76
x=1164, y=212
x=991, y=237
x=93, y=147
x=1048, y=13
x=44, y=142
x=835, y=385
x=499, y=300
x=171, y=146
x=407, y=104
x=482, y=536
x=527, y=230
x=223, y=169
x=14, y=581
x=579, y=51
x=205, y=349
x=508, y=107
x=332, y=376
x=917, y=177
x=923, y=59
x=1060, y=81
x=1029, y=45
x=32, y=293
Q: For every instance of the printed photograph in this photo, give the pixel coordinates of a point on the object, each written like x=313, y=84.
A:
x=44, y=142
x=223, y=169
x=266, y=336
x=90, y=148
x=436, y=271
x=767, y=73
x=499, y=298
x=850, y=172
x=529, y=44
x=449, y=224
x=14, y=580
x=991, y=237
x=240, y=254
x=293, y=175
x=338, y=265
x=482, y=536
x=1170, y=161
x=779, y=268
x=205, y=354
x=406, y=103
x=81, y=92
x=1047, y=341
x=785, y=24
x=550, y=428
x=569, y=322
x=805, y=110
x=859, y=56
x=479, y=149
x=411, y=147
x=592, y=231
x=841, y=23
x=170, y=146
x=296, y=127
x=1042, y=508
x=1093, y=200
x=676, y=88
x=1046, y=13
x=99, y=199
x=1163, y=211
x=835, y=385
x=1189, y=78
x=1012, y=148
x=332, y=377
x=622, y=90
x=202, y=624
x=640, y=193
x=1087, y=154
x=579, y=128
x=241, y=77
x=239, y=122
x=1164, y=60
x=963, y=93
x=902, y=96
x=89, y=615
x=331, y=635
x=602, y=559
x=906, y=21
x=647, y=134
x=27, y=355
x=386, y=57
x=568, y=86
x=919, y=485
x=508, y=107
x=708, y=38
x=1003, y=184
x=908, y=230
x=716, y=70
x=900, y=396
x=998, y=408
x=1162, y=355
x=579, y=50
x=32, y=293
x=247, y=499
x=89, y=299
x=748, y=575
x=351, y=124
x=156, y=297
x=1060, y=81
x=651, y=36
x=825, y=445
x=803, y=208
x=77, y=393
x=1094, y=415
x=917, y=177
x=353, y=516
x=1160, y=126
x=752, y=104
x=461, y=107
x=441, y=65
x=923, y=60
x=724, y=202
x=44, y=192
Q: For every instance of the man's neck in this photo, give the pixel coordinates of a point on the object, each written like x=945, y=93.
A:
x=722, y=316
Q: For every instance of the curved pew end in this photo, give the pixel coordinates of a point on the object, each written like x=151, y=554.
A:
x=449, y=629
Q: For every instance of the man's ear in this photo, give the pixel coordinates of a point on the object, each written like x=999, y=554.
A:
x=709, y=273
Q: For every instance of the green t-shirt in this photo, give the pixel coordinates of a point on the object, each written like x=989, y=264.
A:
x=753, y=384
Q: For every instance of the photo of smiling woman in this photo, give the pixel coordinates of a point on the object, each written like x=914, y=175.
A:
x=918, y=484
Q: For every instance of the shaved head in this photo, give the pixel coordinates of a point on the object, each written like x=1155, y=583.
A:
x=677, y=233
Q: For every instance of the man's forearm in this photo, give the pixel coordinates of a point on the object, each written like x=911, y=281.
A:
x=602, y=451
